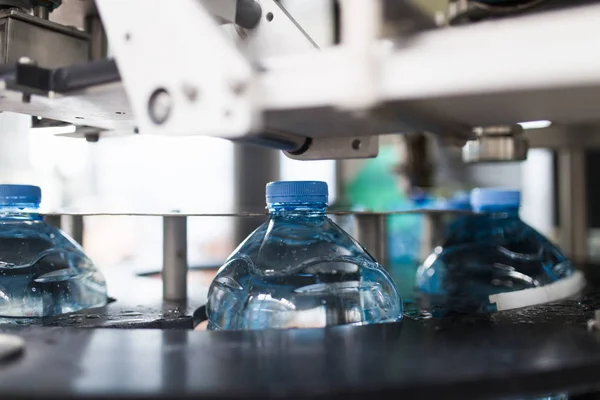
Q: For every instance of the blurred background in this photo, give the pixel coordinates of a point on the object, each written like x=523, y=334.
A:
x=205, y=175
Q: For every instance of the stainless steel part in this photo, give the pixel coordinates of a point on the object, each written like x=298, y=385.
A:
x=497, y=130
x=559, y=136
x=73, y=226
x=305, y=94
x=74, y=13
x=573, y=205
x=98, y=41
x=175, y=268
x=431, y=234
x=49, y=44
x=254, y=167
x=41, y=12
x=371, y=232
x=24, y=5
x=276, y=140
x=463, y=11
x=404, y=18
x=107, y=107
x=337, y=148
x=496, y=143
x=54, y=220
x=223, y=81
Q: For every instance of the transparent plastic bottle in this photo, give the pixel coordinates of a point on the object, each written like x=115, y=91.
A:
x=493, y=261
x=42, y=271
x=299, y=269
x=453, y=222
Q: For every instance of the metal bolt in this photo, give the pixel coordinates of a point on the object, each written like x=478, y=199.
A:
x=190, y=92
x=238, y=87
x=159, y=106
x=28, y=61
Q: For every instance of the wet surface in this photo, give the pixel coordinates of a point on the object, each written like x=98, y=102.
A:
x=413, y=359
x=136, y=304
x=511, y=354
x=575, y=311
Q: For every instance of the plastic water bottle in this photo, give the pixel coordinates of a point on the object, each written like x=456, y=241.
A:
x=453, y=222
x=299, y=269
x=404, y=240
x=42, y=271
x=461, y=200
x=493, y=261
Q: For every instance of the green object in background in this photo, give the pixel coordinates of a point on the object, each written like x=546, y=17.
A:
x=375, y=187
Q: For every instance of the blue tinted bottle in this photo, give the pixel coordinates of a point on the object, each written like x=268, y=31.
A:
x=42, y=271
x=493, y=261
x=299, y=269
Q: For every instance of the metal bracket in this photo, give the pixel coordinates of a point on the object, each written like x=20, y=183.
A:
x=178, y=68
x=49, y=44
x=337, y=148
x=276, y=34
x=496, y=144
x=245, y=13
x=371, y=232
x=32, y=79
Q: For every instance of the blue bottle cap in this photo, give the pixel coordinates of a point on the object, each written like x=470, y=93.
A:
x=460, y=201
x=490, y=198
x=20, y=194
x=297, y=192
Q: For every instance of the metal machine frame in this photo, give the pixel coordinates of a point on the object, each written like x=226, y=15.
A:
x=275, y=84
x=249, y=73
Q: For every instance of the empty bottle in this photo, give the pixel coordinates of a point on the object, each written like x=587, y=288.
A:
x=42, y=271
x=493, y=261
x=299, y=269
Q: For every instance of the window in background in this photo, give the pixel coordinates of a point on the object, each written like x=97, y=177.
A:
x=139, y=174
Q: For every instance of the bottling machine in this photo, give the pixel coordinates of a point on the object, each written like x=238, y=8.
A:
x=247, y=71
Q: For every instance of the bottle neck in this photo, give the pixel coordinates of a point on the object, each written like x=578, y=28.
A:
x=22, y=212
x=305, y=210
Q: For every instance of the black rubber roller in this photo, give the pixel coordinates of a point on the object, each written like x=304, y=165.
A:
x=248, y=13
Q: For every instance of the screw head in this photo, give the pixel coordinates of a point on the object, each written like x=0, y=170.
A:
x=190, y=92
x=160, y=105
